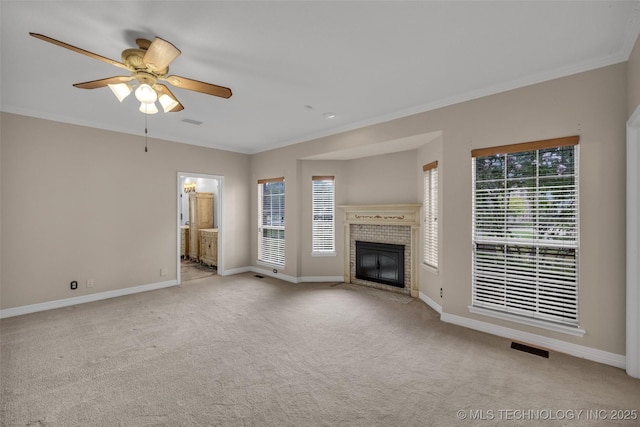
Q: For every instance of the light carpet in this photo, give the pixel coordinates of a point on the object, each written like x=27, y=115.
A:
x=244, y=351
x=191, y=270
x=378, y=293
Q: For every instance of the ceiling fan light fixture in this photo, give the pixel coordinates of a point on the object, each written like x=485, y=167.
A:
x=146, y=94
x=167, y=103
x=120, y=90
x=148, y=108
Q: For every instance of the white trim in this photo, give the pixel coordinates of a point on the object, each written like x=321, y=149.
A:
x=431, y=303
x=291, y=279
x=320, y=279
x=556, y=327
x=269, y=264
x=34, y=308
x=222, y=230
x=232, y=271
x=278, y=275
x=633, y=245
x=600, y=356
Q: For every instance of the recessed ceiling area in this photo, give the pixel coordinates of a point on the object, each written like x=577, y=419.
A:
x=386, y=147
x=356, y=63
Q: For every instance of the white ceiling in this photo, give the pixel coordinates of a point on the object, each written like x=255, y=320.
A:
x=289, y=63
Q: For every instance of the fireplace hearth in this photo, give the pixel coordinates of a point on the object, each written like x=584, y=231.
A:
x=380, y=263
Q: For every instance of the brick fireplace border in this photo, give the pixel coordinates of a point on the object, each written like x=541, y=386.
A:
x=407, y=215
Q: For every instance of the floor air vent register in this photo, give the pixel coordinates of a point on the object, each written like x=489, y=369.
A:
x=529, y=349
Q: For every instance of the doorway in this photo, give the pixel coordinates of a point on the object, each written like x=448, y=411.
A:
x=191, y=263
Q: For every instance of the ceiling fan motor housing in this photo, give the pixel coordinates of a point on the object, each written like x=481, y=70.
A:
x=146, y=78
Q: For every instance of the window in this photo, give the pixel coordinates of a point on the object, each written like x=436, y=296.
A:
x=525, y=230
x=323, y=212
x=430, y=248
x=271, y=221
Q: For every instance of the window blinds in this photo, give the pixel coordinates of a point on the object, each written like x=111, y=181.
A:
x=525, y=230
x=323, y=214
x=430, y=240
x=271, y=230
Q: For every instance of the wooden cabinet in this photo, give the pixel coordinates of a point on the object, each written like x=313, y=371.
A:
x=209, y=246
x=200, y=217
x=184, y=241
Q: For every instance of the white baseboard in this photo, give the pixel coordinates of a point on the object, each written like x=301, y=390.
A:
x=600, y=356
x=34, y=308
x=232, y=271
x=431, y=303
x=316, y=279
x=50, y=305
x=291, y=279
x=270, y=273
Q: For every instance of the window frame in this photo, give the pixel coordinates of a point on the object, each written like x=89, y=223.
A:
x=270, y=251
x=323, y=203
x=546, y=295
x=430, y=242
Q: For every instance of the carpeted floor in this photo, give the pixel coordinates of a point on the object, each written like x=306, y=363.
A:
x=243, y=351
x=191, y=270
x=378, y=293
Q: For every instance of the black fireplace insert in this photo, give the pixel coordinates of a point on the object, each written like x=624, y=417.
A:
x=380, y=263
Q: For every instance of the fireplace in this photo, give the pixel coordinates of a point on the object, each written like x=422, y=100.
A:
x=380, y=263
x=391, y=225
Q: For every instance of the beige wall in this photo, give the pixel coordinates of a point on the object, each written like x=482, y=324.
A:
x=633, y=83
x=382, y=179
x=591, y=104
x=81, y=203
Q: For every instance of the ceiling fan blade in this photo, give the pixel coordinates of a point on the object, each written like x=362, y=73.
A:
x=160, y=54
x=163, y=90
x=95, y=84
x=195, y=85
x=78, y=50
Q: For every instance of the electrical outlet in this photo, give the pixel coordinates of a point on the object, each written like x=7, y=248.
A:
x=74, y=285
x=440, y=292
x=163, y=272
x=89, y=283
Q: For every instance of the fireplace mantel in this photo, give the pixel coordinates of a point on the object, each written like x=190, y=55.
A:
x=407, y=215
x=389, y=214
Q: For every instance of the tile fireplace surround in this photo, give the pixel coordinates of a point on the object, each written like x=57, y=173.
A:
x=392, y=223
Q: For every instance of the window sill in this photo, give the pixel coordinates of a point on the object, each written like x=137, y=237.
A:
x=556, y=327
x=430, y=268
x=326, y=253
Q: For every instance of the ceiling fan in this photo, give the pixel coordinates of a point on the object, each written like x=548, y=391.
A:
x=148, y=65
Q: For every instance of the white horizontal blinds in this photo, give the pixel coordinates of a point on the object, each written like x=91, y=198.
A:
x=271, y=230
x=430, y=240
x=525, y=229
x=323, y=214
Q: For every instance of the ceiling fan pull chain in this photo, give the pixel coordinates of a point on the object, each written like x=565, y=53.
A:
x=145, y=129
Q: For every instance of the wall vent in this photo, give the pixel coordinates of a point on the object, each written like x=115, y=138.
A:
x=528, y=349
x=192, y=122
